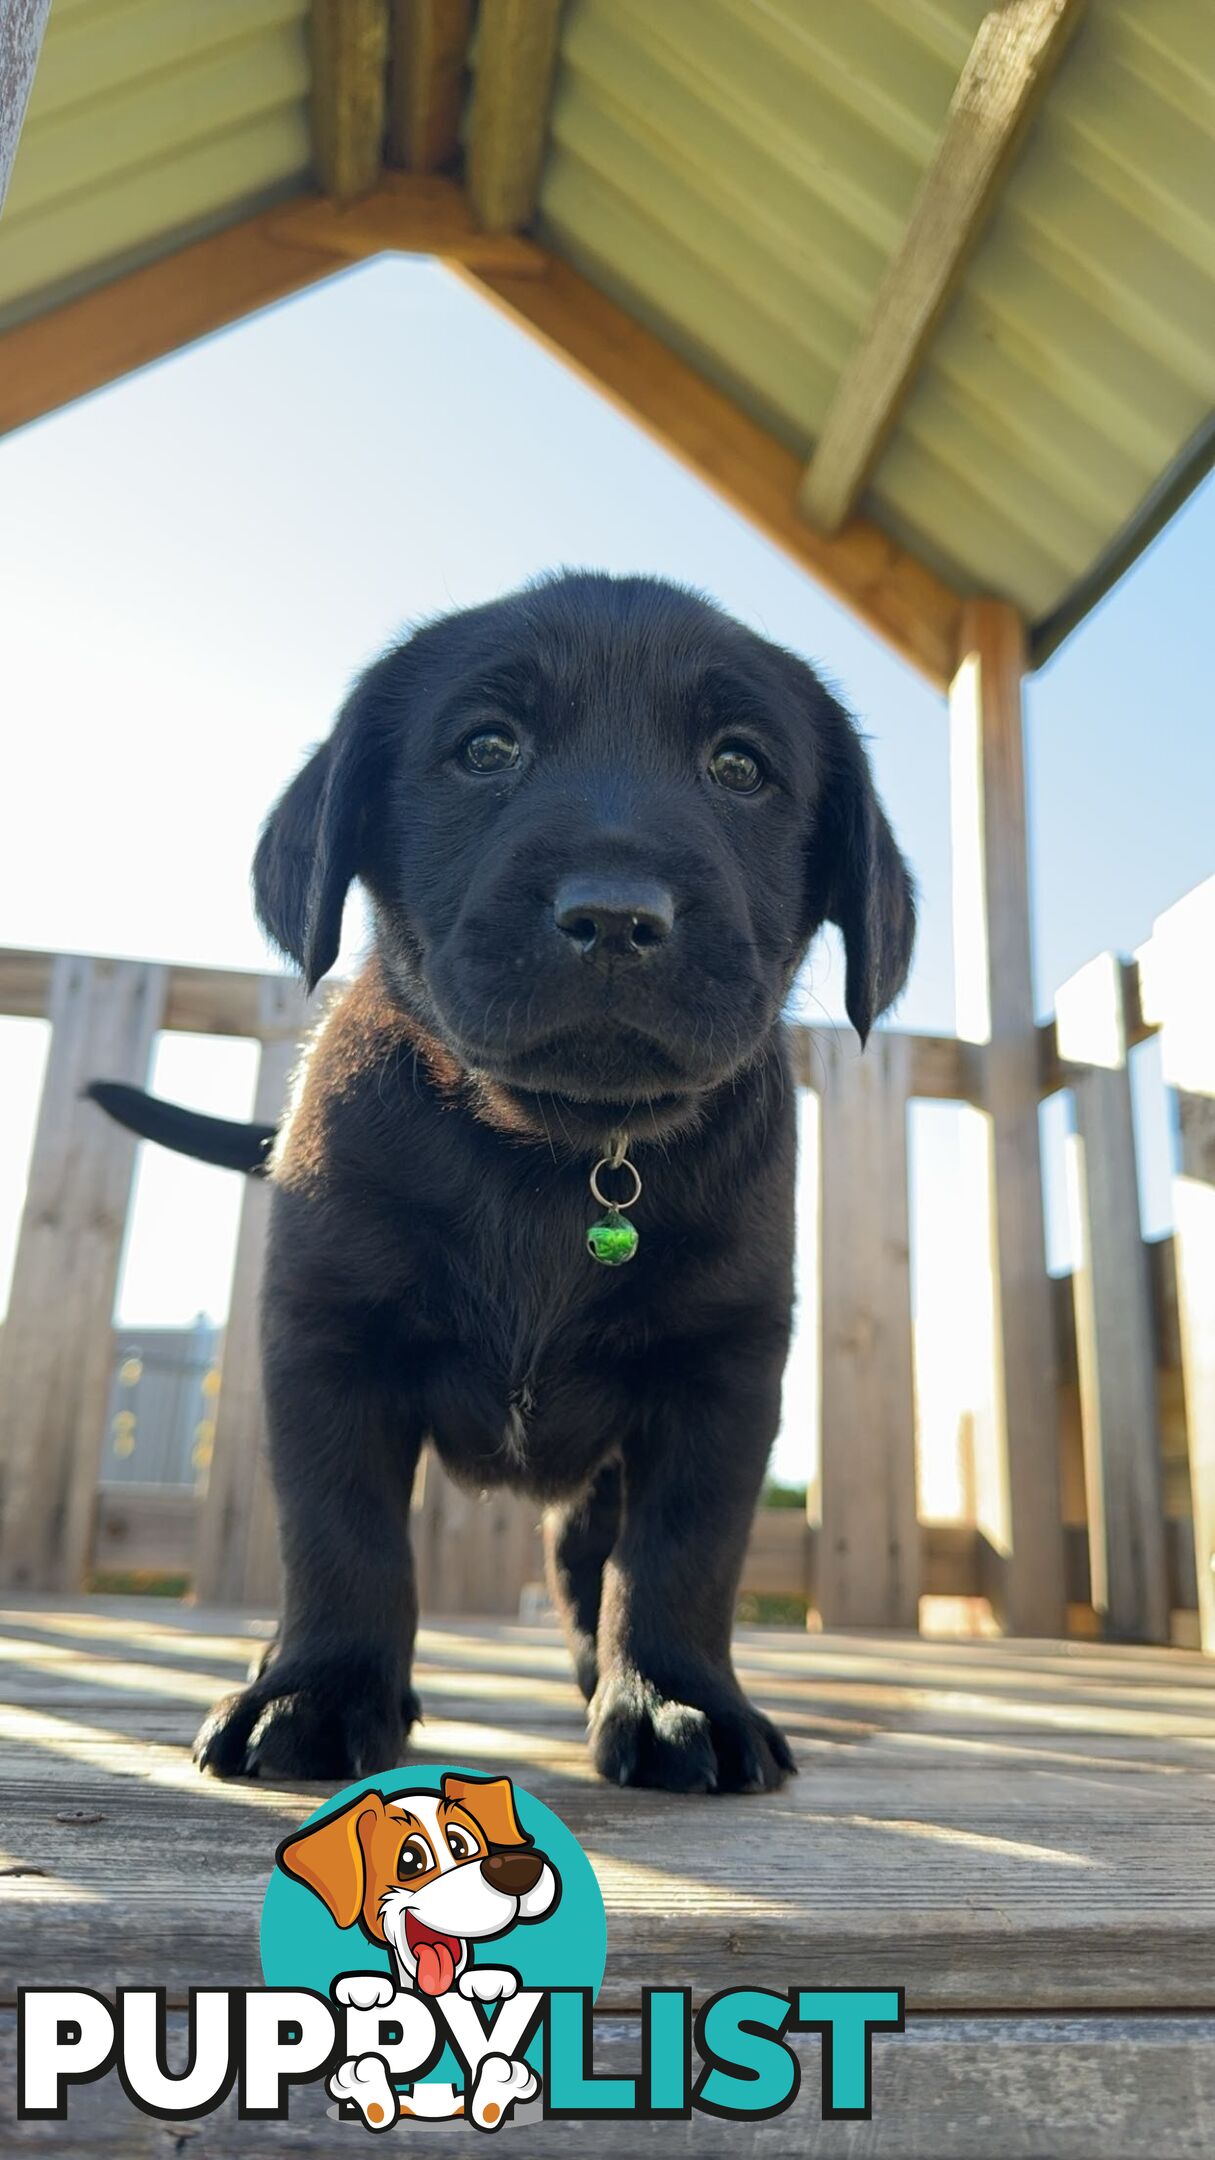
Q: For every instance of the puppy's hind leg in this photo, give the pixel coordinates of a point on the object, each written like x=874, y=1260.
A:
x=578, y=1538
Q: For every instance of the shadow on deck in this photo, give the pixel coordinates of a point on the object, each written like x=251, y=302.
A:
x=1015, y=1828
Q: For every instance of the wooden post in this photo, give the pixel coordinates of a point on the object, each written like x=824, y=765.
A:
x=514, y=61
x=869, y=1548
x=57, y=1346
x=995, y=1007
x=1115, y=1349
x=349, y=94
x=1175, y=993
x=22, y=23
x=237, y=1539
x=427, y=81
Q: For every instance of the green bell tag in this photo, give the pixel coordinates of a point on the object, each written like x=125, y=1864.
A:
x=612, y=1240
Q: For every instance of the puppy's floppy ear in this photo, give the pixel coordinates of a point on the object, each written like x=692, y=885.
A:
x=491, y=1802
x=312, y=842
x=863, y=884
x=329, y=1858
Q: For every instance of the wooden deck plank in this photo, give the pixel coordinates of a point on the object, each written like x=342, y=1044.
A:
x=997, y=1826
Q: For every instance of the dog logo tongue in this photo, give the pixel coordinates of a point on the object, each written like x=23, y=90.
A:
x=435, y=1956
x=436, y=1967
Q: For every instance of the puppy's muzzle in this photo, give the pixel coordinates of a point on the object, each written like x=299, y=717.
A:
x=514, y=1873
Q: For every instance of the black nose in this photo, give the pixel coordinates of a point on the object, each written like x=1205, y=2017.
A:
x=515, y=1873
x=614, y=919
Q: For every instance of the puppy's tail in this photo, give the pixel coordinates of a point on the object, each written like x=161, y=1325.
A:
x=209, y=1139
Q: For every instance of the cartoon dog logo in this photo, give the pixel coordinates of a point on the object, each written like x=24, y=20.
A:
x=427, y=1875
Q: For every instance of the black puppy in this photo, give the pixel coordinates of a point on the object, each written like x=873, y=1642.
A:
x=599, y=823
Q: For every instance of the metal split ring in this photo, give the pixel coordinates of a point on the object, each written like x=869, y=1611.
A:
x=610, y=1162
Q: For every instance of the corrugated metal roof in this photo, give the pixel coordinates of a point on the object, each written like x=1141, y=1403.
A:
x=150, y=120
x=737, y=173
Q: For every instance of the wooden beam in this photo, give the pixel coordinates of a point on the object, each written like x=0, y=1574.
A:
x=57, y=357
x=941, y=1068
x=22, y=23
x=349, y=94
x=1018, y=46
x=145, y=1530
x=198, y=1000
x=139, y=318
x=892, y=593
x=1115, y=1347
x=995, y=1006
x=412, y=214
x=225, y=1001
x=153, y=1529
x=428, y=77
x=514, y=61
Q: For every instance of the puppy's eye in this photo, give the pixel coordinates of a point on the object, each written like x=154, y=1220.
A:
x=416, y=1859
x=490, y=750
x=738, y=768
x=461, y=1844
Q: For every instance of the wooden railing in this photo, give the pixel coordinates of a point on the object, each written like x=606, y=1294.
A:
x=1126, y=1359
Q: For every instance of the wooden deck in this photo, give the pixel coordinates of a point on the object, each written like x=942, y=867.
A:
x=1020, y=1834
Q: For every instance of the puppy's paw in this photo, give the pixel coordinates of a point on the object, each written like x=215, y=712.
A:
x=287, y=1726
x=364, y=1991
x=501, y=2081
x=488, y=1983
x=364, y=2083
x=720, y=1743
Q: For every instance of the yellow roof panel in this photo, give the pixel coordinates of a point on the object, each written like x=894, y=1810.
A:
x=738, y=173
x=150, y=120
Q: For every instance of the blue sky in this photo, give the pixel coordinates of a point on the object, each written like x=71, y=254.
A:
x=193, y=564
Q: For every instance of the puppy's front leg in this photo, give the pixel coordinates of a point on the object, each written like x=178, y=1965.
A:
x=668, y=1710
x=334, y=1700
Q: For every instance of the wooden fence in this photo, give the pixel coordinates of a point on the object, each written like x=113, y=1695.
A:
x=1091, y=1493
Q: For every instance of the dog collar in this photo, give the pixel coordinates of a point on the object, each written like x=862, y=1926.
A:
x=613, y=1240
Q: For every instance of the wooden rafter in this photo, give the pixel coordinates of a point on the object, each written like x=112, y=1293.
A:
x=62, y=355
x=349, y=94
x=1018, y=46
x=139, y=318
x=885, y=586
x=427, y=80
x=516, y=53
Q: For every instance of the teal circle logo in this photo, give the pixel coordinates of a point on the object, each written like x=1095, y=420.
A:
x=426, y=1903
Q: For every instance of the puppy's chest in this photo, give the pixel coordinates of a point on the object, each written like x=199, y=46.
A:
x=526, y=1295
x=532, y=1377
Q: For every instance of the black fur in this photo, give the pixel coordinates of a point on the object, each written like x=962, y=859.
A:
x=427, y=1273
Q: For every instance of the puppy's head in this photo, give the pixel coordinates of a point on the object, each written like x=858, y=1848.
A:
x=600, y=823
x=427, y=1873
